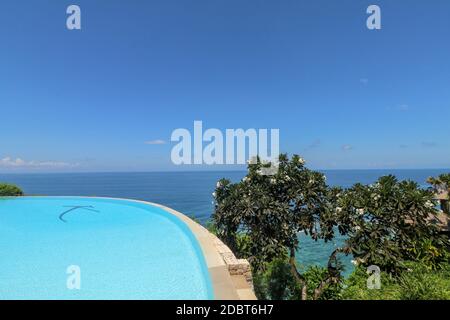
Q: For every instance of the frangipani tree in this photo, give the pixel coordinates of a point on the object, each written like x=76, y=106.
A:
x=441, y=186
x=270, y=210
x=387, y=223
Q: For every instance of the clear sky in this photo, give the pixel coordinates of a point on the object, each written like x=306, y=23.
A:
x=342, y=96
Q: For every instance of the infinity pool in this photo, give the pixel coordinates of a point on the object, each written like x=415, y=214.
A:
x=94, y=248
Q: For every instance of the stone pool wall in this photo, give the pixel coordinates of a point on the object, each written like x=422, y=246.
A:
x=236, y=267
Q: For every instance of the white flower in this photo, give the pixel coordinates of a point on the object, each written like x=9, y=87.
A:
x=301, y=161
x=357, y=228
x=214, y=194
x=429, y=204
x=360, y=211
x=218, y=185
x=357, y=261
x=245, y=179
x=338, y=209
x=272, y=181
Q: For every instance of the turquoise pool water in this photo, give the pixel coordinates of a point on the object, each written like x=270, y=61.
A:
x=92, y=248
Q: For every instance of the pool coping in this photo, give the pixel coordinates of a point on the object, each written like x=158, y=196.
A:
x=230, y=277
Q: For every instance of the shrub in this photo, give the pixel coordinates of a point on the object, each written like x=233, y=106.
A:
x=9, y=190
x=355, y=287
x=315, y=277
x=417, y=282
x=277, y=282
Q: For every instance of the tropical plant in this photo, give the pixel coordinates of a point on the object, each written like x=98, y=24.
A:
x=270, y=210
x=416, y=282
x=441, y=185
x=387, y=223
x=277, y=282
x=9, y=190
x=440, y=182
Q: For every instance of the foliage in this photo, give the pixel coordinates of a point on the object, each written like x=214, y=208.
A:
x=430, y=256
x=441, y=182
x=271, y=210
x=278, y=283
x=417, y=282
x=441, y=185
x=316, y=276
x=268, y=211
x=9, y=190
x=387, y=224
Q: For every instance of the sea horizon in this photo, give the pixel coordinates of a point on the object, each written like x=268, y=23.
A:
x=190, y=192
x=212, y=170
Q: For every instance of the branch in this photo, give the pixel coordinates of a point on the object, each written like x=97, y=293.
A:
x=334, y=274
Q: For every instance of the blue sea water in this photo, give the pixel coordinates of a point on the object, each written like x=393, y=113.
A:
x=191, y=192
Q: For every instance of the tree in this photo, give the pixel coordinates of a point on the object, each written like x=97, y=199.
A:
x=441, y=186
x=9, y=190
x=268, y=212
x=387, y=224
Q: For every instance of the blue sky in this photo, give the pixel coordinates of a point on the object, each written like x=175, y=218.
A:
x=342, y=96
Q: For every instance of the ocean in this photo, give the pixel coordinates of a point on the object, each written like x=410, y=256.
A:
x=191, y=192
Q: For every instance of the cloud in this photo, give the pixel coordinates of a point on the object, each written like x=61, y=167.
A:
x=153, y=142
x=313, y=145
x=346, y=147
x=20, y=163
x=429, y=144
x=400, y=108
x=364, y=81
x=403, y=107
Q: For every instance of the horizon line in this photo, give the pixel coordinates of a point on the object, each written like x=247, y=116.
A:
x=208, y=171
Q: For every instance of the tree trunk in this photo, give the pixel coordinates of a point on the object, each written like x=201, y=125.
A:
x=300, y=279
